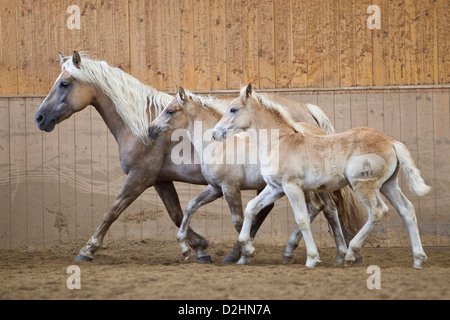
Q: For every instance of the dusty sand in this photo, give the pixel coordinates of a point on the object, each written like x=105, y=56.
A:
x=155, y=270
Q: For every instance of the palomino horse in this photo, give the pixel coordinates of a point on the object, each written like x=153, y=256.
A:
x=226, y=175
x=127, y=106
x=364, y=158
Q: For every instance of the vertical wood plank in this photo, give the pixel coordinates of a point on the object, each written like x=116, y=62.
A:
x=18, y=167
x=202, y=63
x=358, y=107
x=218, y=40
x=380, y=47
x=54, y=220
x=234, y=44
x=413, y=43
x=121, y=35
x=34, y=176
x=347, y=43
x=375, y=110
x=250, y=43
x=441, y=117
x=330, y=43
x=342, y=115
x=314, y=43
x=138, y=55
x=5, y=181
x=363, y=45
x=170, y=45
x=56, y=38
x=186, y=53
x=425, y=163
x=153, y=43
x=24, y=47
x=266, y=45
x=396, y=16
x=429, y=42
x=282, y=16
x=443, y=34
x=9, y=48
x=40, y=46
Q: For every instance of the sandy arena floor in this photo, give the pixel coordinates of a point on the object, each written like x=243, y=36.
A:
x=155, y=270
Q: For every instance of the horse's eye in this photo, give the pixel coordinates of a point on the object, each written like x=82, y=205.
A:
x=233, y=110
x=170, y=112
x=64, y=84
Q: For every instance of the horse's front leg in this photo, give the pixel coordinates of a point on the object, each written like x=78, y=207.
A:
x=236, y=252
x=130, y=191
x=208, y=195
x=267, y=197
x=169, y=197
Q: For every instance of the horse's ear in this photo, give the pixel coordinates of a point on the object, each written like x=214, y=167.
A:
x=246, y=92
x=181, y=95
x=76, y=58
x=62, y=58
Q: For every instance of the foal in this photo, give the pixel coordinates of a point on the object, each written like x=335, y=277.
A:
x=364, y=158
x=226, y=173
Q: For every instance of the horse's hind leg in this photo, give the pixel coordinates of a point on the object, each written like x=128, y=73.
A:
x=314, y=205
x=404, y=207
x=376, y=208
x=331, y=214
x=208, y=195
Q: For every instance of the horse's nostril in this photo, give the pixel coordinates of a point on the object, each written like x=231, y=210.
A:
x=39, y=118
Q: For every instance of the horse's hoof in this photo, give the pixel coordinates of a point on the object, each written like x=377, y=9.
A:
x=230, y=259
x=348, y=263
x=204, y=259
x=287, y=259
x=80, y=257
x=186, y=254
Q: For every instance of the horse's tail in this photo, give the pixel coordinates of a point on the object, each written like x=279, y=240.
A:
x=412, y=174
x=322, y=120
x=352, y=214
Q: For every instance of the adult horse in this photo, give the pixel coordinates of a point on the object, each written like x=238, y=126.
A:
x=127, y=106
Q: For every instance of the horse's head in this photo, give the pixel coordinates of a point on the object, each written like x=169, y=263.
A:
x=237, y=117
x=67, y=96
x=174, y=116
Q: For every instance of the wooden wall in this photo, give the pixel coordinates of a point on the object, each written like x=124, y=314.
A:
x=223, y=44
x=57, y=186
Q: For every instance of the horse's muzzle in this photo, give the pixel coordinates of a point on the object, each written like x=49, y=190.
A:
x=153, y=132
x=219, y=135
x=45, y=123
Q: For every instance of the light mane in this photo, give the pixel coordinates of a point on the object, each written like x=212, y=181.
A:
x=208, y=102
x=279, y=109
x=131, y=98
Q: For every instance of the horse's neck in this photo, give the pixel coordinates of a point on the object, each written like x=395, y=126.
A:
x=266, y=131
x=201, y=123
x=111, y=117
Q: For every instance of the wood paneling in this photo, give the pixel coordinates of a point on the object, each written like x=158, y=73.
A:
x=219, y=45
x=57, y=186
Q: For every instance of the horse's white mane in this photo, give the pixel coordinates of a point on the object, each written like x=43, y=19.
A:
x=208, y=102
x=271, y=105
x=130, y=97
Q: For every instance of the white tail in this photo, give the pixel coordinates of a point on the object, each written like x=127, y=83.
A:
x=412, y=174
x=322, y=120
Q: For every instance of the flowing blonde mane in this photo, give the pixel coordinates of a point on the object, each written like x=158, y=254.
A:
x=279, y=110
x=131, y=98
x=208, y=102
